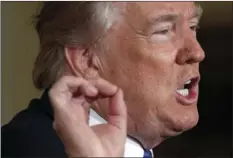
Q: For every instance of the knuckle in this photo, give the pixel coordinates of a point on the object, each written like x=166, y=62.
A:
x=98, y=81
x=80, y=80
x=65, y=79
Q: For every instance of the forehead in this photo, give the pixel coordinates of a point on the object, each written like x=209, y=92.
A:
x=151, y=8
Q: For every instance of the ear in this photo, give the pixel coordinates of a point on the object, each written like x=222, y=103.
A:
x=81, y=61
x=77, y=59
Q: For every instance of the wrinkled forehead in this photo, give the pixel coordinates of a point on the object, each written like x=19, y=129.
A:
x=150, y=9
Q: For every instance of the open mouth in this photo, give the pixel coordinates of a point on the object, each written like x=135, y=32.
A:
x=188, y=92
x=185, y=90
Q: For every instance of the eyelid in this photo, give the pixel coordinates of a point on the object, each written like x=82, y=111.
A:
x=162, y=27
x=195, y=25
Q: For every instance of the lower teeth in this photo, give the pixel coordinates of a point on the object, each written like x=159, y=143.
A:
x=183, y=92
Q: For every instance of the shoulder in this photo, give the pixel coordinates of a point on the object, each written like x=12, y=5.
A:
x=30, y=133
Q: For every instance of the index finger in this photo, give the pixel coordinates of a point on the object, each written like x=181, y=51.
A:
x=64, y=88
x=105, y=88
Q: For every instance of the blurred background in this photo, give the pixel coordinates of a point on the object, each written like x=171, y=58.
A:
x=19, y=47
x=212, y=137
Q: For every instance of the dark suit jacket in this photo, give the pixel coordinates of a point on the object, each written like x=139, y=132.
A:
x=30, y=132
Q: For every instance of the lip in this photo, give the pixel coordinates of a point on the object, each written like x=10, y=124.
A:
x=193, y=93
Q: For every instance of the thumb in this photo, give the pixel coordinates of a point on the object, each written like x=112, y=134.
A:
x=117, y=114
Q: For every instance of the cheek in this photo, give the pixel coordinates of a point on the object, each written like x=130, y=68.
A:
x=145, y=71
x=139, y=70
x=147, y=87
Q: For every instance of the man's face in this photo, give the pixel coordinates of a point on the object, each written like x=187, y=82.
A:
x=151, y=54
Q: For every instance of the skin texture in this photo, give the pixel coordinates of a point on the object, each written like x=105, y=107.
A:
x=148, y=59
x=70, y=97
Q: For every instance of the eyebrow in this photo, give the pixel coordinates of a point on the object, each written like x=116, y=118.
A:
x=164, y=18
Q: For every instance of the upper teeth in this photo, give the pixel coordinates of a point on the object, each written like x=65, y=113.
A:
x=189, y=81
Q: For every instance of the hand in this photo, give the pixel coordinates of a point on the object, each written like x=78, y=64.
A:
x=70, y=98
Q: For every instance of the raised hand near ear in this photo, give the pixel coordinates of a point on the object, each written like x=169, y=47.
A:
x=70, y=98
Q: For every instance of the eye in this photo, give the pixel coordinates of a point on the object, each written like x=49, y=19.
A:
x=164, y=31
x=194, y=28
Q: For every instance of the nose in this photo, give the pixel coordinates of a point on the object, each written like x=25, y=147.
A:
x=190, y=51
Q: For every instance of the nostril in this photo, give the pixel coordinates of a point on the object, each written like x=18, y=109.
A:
x=190, y=61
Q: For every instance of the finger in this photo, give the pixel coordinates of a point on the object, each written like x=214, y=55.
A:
x=68, y=83
x=105, y=88
x=117, y=115
x=64, y=88
x=84, y=98
x=86, y=90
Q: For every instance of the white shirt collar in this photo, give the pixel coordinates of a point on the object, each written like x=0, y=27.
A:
x=132, y=148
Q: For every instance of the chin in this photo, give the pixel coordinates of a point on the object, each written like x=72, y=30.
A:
x=186, y=122
x=178, y=123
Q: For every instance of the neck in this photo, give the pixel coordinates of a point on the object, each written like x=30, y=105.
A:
x=144, y=142
x=142, y=138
